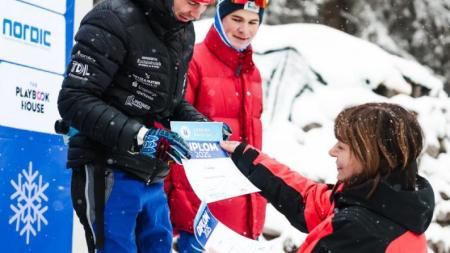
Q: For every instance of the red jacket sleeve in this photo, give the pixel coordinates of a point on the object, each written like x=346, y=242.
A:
x=304, y=203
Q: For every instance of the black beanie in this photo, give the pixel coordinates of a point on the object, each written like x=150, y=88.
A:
x=226, y=7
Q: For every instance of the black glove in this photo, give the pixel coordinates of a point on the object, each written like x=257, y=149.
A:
x=63, y=127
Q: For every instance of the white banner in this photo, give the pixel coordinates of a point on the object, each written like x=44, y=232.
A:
x=53, y=5
x=28, y=98
x=32, y=36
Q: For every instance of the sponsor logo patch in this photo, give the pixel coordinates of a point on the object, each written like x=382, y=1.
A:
x=79, y=70
x=149, y=62
x=133, y=102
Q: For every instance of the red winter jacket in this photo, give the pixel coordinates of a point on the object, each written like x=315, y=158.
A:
x=225, y=86
x=343, y=220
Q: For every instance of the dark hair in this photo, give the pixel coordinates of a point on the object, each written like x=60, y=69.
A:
x=384, y=137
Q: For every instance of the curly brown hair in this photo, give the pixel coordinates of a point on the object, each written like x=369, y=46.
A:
x=383, y=137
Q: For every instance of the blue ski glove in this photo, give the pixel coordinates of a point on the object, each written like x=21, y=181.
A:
x=226, y=131
x=164, y=145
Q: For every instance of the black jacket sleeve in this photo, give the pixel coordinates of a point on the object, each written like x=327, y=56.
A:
x=187, y=112
x=99, y=51
x=303, y=202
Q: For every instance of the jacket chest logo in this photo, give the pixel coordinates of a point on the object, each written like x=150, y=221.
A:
x=149, y=62
x=146, y=81
x=133, y=102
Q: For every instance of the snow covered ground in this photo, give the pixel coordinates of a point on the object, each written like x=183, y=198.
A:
x=311, y=72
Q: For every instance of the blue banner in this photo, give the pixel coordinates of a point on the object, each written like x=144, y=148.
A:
x=36, y=213
x=205, y=223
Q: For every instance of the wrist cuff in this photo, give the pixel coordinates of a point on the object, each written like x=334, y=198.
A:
x=140, y=136
x=244, y=158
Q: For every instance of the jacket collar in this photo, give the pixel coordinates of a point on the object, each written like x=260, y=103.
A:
x=160, y=15
x=412, y=209
x=239, y=62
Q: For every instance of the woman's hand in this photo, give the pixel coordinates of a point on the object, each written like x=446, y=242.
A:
x=229, y=146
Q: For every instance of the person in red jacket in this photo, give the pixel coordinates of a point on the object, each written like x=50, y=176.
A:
x=379, y=204
x=225, y=85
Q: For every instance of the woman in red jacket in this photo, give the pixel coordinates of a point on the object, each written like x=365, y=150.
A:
x=379, y=204
x=225, y=85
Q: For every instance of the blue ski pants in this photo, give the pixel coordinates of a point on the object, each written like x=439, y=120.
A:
x=136, y=215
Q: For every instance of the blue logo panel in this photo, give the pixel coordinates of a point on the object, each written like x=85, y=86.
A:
x=36, y=211
x=204, y=224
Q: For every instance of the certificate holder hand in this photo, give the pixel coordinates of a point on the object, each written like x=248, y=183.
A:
x=229, y=146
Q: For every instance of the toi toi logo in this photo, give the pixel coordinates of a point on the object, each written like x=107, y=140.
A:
x=80, y=69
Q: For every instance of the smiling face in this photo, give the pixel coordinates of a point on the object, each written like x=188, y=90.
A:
x=240, y=27
x=188, y=10
x=348, y=165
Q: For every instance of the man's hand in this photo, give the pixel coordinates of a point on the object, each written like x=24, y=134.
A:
x=164, y=145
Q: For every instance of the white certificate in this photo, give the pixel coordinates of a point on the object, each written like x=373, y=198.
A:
x=210, y=171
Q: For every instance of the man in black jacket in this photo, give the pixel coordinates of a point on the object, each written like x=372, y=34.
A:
x=124, y=84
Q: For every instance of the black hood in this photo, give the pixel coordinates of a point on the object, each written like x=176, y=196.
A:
x=412, y=210
x=161, y=11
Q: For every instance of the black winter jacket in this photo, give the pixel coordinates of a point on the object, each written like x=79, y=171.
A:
x=128, y=69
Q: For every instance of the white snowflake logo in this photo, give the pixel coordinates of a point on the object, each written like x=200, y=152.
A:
x=29, y=208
